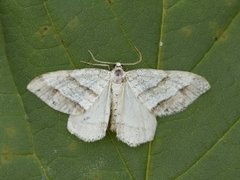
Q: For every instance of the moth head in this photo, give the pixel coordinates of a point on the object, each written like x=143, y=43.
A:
x=118, y=65
x=118, y=70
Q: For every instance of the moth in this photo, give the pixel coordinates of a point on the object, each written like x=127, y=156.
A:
x=130, y=101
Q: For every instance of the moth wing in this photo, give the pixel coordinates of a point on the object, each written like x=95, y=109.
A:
x=71, y=91
x=166, y=92
x=92, y=125
x=135, y=124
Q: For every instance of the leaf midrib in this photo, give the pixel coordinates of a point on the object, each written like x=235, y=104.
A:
x=160, y=42
x=159, y=58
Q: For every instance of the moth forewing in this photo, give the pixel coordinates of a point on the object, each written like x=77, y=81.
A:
x=92, y=125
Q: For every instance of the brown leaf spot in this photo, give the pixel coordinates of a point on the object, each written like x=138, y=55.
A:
x=73, y=23
x=186, y=31
x=43, y=31
x=230, y=2
x=5, y=155
x=220, y=35
x=72, y=147
x=10, y=131
x=109, y=2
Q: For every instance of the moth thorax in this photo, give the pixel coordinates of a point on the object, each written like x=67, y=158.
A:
x=118, y=72
x=118, y=75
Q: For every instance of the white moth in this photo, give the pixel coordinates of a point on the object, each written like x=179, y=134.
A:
x=131, y=100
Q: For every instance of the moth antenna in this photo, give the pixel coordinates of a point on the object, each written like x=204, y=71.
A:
x=99, y=61
x=125, y=64
x=96, y=64
x=136, y=62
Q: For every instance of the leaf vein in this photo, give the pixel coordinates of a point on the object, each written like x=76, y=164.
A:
x=214, y=43
x=121, y=157
x=42, y=168
x=159, y=57
x=220, y=139
x=71, y=62
x=170, y=7
x=159, y=53
x=148, y=161
x=121, y=27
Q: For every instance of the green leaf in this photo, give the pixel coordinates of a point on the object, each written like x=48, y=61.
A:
x=39, y=36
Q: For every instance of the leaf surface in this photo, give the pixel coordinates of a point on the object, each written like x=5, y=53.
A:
x=39, y=36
